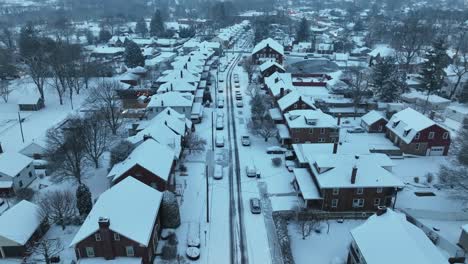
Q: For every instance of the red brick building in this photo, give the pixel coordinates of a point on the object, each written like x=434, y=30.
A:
x=267, y=50
x=374, y=122
x=269, y=67
x=343, y=182
x=311, y=126
x=124, y=223
x=414, y=133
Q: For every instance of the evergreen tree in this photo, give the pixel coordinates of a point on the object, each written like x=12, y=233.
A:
x=133, y=56
x=157, y=24
x=463, y=98
x=83, y=200
x=433, y=74
x=104, y=35
x=141, y=27
x=303, y=31
x=170, y=215
x=387, y=81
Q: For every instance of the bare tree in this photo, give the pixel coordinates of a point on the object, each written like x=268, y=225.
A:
x=460, y=61
x=249, y=67
x=45, y=250
x=4, y=90
x=58, y=207
x=194, y=143
x=264, y=127
x=104, y=98
x=66, y=150
x=95, y=137
x=359, y=84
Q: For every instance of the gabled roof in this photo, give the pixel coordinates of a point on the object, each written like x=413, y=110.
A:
x=292, y=98
x=270, y=63
x=176, y=86
x=131, y=207
x=271, y=43
x=182, y=74
x=19, y=223
x=372, y=117
x=399, y=241
x=334, y=170
x=298, y=119
x=12, y=163
x=277, y=80
x=172, y=99
x=151, y=155
x=407, y=123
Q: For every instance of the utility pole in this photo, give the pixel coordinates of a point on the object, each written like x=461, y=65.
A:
x=21, y=126
x=207, y=196
x=212, y=131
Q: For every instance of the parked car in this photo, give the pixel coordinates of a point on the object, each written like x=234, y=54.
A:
x=356, y=130
x=290, y=165
x=219, y=114
x=251, y=171
x=221, y=79
x=289, y=155
x=219, y=123
x=240, y=104
x=220, y=90
x=221, y=103
x=255, y=206
x=218, y=172
x=245, y=140
x=2, y=202
x=219, y=141
x=238, y=97
x=276, y=150
x=237, y=85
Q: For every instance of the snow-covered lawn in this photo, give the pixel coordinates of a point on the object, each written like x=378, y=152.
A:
x=325, y=247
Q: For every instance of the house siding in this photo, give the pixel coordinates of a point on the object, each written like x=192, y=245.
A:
x=346, y=195
x=304, y=135
x=267, y=53
x=375, y=127
x=140, y=173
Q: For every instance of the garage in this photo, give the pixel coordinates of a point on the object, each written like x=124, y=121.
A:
x=436, y=151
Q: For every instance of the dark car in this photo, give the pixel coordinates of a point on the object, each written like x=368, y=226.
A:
x=255, y=206
x=276, y=150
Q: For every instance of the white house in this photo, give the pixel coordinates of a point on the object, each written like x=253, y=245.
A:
x=16, y=171
x=180, y=102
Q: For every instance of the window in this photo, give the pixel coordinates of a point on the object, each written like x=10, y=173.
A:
x=130, y=251
x=417, y=136
x=20, y=183
x=431, y=135
x=376, y=201
x=90, y=252
x=379, y=190
x=336, y=191
x=296, y=140
x=417, y=146
x=322, y=131
x=295, y=105
x=311, y=131
x=116, y=236
x=358, y=203
x=334, y=203
x=97, y=236
x=445, y=135
x=30, y=174
x=321, y=140
x=360, y=191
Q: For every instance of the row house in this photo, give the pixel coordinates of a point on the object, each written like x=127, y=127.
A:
x=279, y=84
x=374, y=122
x=399, y=241
x=180, y=102
x=268, y=49
x=311, y=126
x=269, y=67
x=346, y=182
x=416, y=134
x=123, y=226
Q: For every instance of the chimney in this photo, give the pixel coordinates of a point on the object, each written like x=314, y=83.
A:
x=281, y=92
x=172, y=87
x=335, y=147
x=106, y=238
x=146, y=137
x=1, y=149
x=168, y=112
x=181, y=74
x=276, y=79
x=338, y=122
x=353, y=175
x=381, y=210
x=162, y=102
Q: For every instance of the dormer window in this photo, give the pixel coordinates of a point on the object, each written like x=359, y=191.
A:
x=406, y=132
x=395, y=124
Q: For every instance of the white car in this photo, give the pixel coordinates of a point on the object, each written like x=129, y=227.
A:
x=276, y=150
x=219, y=141
x=219, y=123
x=251, y=171
x=220, y=103
x=218, y=172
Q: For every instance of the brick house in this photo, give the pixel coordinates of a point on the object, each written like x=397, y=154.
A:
x=388, y=237
x=268, y=49
x=269, y=67
x=344, y=182
x=414, y=133
x=295, y=101
x=20, y=226
x=311, y=126
x=151, y=163
x=374, y=122
x=279, y=84
x=124, y=223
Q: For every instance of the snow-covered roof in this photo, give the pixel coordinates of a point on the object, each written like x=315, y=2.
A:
x=182, y=74
x=108, y=50
x=131, y=207
x=277, y=80
x=29, y=99
x=283, y=131
x=19, y=223
x=151, y=155
x=171, y=118
x=172, y=99
x=383, y=50
x=292, y=98
x=271, y=43
x=302, y=151
x=407, y=123
x=372, y=117
x=306, y=184
x=432, y=99
x=309, y=119
x=177, y=86
x=270, y=63
x=12, y=163
x=117, y=260
x=334, y=170
x=399, y=241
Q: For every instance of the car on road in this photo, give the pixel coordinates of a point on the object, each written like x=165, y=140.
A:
x=290, y=165
x=220, y=90
x=239, y=104
x=255, y=206
x=219, y=141
x=238, y=96
x=220, y=103
x=221, y=79
x=356, y=130
x=219, y=123
x=276, y=150
x=219, y=114
x=251, y=171
x=245, y=140
x=218, y=172
x=237, y=85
